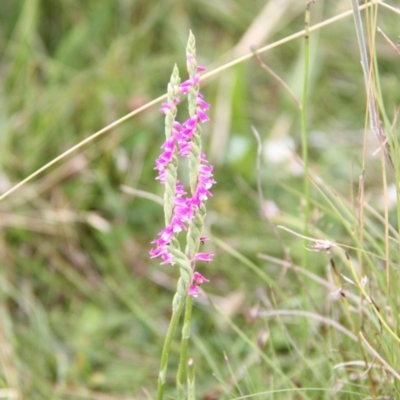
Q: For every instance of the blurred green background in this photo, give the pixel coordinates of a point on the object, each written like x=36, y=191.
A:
x=83, y=309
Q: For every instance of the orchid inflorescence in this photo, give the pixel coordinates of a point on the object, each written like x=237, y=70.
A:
x=184, y=212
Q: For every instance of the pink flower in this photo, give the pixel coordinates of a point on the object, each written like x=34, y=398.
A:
x=201, y=103
x=167, y=259
x=184, y=211
x=202, y=257
x=200, y=196
x=203, y=239
x=197, y=281
x=162, y=251
x=203, y=117
x=165, y=108
x=165, y=158
x=184, y=149
x=188, y=84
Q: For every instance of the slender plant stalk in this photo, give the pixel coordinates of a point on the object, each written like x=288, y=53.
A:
x=371, y=35
x=369, y=82
x=183, y=359
x=304, y=135
x=178, y=305
x=304, y=143
x=361, y=190
x=365, y=64
x=375, y=122
x=373, y=116
x=193, y=241
x=390, y=145
x=165, y=351
x=393, y=152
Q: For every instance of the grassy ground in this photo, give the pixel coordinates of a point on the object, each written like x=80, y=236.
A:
x=83, y=311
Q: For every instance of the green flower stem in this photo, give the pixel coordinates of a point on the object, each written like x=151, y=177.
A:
x=180, y=381
x=304, y=141
x=178, y=304
x=304, y=134
x=167, y=345
x=193, y=243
